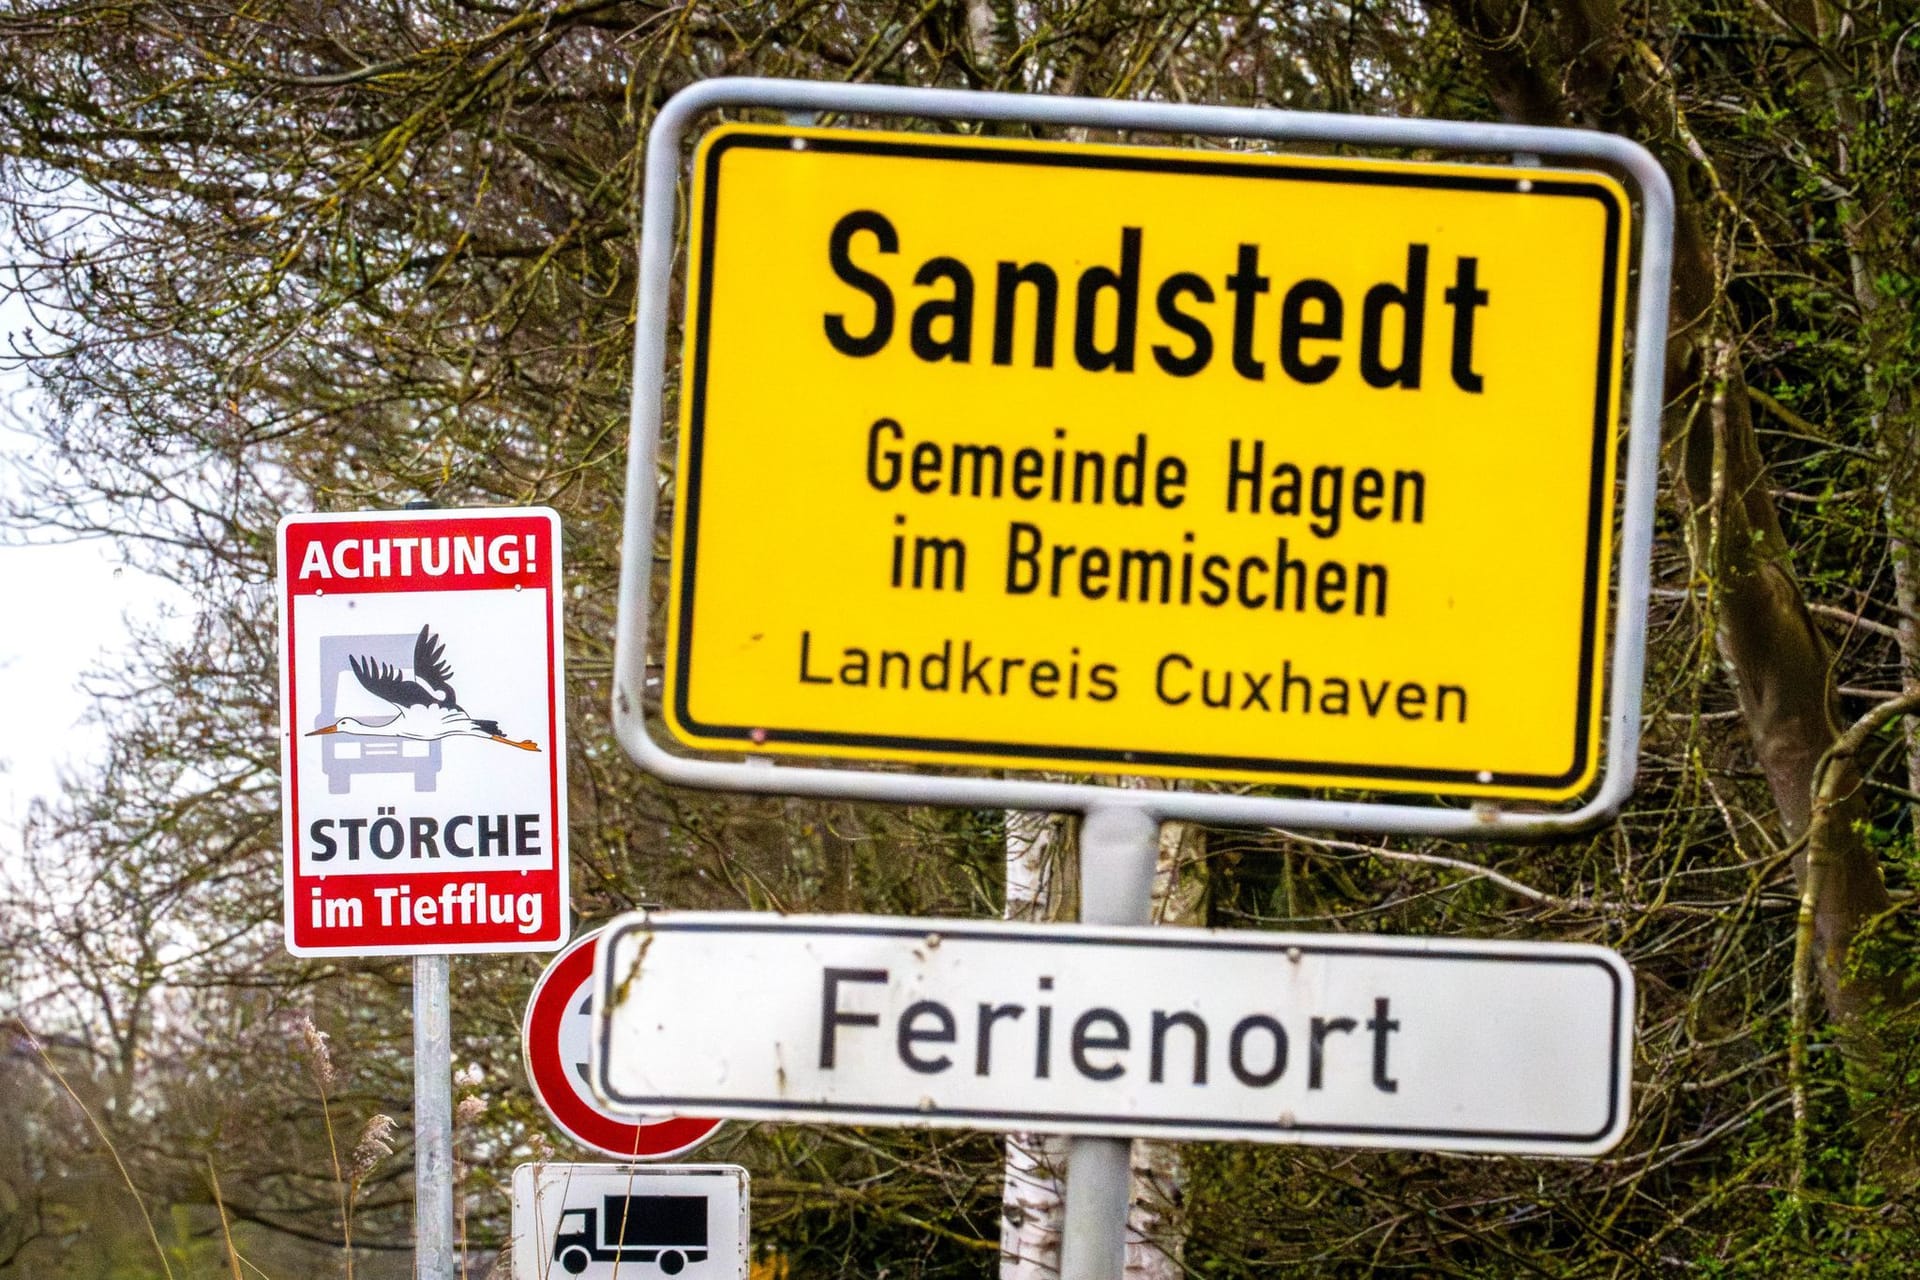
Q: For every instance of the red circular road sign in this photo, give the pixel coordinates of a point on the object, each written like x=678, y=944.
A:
x=554, y=1039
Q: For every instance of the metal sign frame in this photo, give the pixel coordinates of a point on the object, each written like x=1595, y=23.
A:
x=1482, y=820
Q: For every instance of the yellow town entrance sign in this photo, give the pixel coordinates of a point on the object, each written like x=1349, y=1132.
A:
x=1122, y=459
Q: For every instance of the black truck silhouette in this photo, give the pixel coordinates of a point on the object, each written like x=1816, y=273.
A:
x=669, y=1231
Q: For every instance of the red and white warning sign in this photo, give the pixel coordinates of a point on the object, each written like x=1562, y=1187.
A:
x=555, y=1037
x=423, y=743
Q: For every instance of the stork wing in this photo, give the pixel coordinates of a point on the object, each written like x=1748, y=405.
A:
x=383, y=681
x=430, y=662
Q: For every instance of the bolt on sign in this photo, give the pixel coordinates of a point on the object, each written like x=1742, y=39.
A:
x=422, y=737
x=1193, y=1034
x=1189, y=463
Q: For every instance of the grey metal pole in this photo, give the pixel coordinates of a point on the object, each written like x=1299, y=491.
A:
x=432, y=1119
x=432, y=1102
x=1119, y=849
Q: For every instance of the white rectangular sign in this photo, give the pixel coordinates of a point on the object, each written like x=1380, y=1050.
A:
x=601, y=1221
x=1423, y=1043
x=423, y=732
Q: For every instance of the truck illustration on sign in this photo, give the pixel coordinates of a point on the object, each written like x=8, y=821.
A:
x=669, y=1231
x=343, y=756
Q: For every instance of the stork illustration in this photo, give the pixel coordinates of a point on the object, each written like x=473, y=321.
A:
x=425, y=707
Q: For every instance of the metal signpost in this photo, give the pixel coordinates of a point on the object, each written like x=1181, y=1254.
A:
x=554, y=1038
x=418, y=820
x=1186, y=462
x=433, y=1117
x=603, y=1221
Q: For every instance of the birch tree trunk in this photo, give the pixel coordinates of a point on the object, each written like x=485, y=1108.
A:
x=1041, y=879
x=1042, y=884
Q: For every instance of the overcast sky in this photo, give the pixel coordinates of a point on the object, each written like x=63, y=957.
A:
x=62, y=615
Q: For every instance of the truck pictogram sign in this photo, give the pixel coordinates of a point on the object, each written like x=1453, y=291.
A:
x=595, y=1221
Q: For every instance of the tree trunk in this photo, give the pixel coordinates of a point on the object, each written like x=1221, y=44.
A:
x=1041, y=881
x=1575, y=62
x=1042, y=884
x=1876, y=251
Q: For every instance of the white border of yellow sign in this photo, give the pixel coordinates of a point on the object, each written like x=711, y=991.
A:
x=639, y=685
x=1461, y=653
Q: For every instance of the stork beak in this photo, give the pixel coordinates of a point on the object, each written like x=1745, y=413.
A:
x=332, y=728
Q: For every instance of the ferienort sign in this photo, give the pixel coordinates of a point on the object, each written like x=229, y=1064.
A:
x=1190, y=463
x=1343, y=1040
